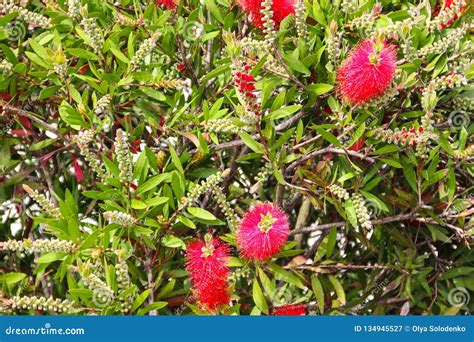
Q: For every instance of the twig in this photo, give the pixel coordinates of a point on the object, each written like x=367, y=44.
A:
x=313, y=228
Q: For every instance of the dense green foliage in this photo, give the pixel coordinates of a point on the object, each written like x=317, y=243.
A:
x=115, y=113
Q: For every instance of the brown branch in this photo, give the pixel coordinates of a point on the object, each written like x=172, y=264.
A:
x=313, y=228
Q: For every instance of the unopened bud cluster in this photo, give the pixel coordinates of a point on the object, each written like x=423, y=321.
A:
x=300, y=19
x=120, y=218
x=74, y=8
x=8, y=6
x=41, y=303
x=124, y=283
x=467, y=152
x=38, y=246
x=144, y=50
x=170, y=84
x=365, y=22
x=401, y=28
x=452, y=80
x=361, y=211
x=102, y=104
x=464, y=102
x=6, y=67
x=340, y=192
x=222, y=126
x=198, y=157
x=93, y=32
x=82, y=139
x=123, y=157
x=333, y=43
x=44, y=203
x=263, y=173
x=252, y=46
x=160, y=159
x=123, y=278
x=268, y=23
x=101, y=290
x=229, y=213
x=404, y=136
x=442, y=45
x=273, y=66
x=447, y=15
x=205, y=185
x=124, y=20
x=348, y=6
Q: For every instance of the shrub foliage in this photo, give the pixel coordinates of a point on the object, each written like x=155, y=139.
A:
x=133, y=129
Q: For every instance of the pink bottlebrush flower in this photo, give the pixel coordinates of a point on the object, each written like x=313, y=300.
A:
x=281, y=9
x=289, y=310
x=206, y=262
x=262, y=232
x=167, y=4
x=368, y=71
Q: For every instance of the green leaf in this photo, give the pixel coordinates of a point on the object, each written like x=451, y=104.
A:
x=445, y=145
x=153, y=306
x=457, y=272
x=386, y=149
x=211, y=5
x=319, y=88
x=50, y=257
x=201, y=213
x=187, y=222
x=339, y=289
x=13, y=277
x=120, y=56
x=328, y=136
x=153, y=182
x=140, y=299
x=81, y=53
x=252, y=144
x=175, y=158
x=48, y=92
x=172, y=241
x=283, y=112
x=318, y=293
x=136, y=204
x=258, y=297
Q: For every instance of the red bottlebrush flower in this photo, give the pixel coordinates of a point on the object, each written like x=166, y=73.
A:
x=262, y=232
x=281, y=9
x=167, y=4
x=367, y=73
x=206, y=262
x=77, y=170
x=289, y=310
x=214, y=295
